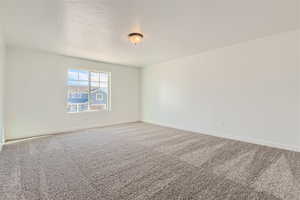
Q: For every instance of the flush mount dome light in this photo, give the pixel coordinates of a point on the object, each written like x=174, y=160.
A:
x=135, y=37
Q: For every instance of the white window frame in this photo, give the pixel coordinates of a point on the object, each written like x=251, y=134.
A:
x=108, y=107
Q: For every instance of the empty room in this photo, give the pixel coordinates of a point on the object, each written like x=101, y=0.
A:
x=149, y=100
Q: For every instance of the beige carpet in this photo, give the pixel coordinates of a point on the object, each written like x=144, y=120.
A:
x=143, y=161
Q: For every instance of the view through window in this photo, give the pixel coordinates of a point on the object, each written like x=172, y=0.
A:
x=88, y=90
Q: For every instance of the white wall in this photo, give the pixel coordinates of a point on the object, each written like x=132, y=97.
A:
x=37, y=91
x=249, y=91
x=2, y=63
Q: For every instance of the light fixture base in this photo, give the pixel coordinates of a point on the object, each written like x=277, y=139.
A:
x=135, y=37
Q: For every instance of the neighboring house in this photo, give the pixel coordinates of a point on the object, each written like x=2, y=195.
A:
x=99, y=96
x=78, y=95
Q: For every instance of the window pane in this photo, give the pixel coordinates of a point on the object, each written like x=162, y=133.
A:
x=104, y=84
x=95, y=76
x=95, y=84
x=99, y=99
x=78, y=97
x=72, y=108
x=72, y=75
x=83, y=107
x=104, y=90
x=78, y=83
x=83, y=75
x=104, y=77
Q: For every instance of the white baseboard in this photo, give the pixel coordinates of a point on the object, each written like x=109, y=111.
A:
x=62, y=131
x=238, y=138
x=1, y=138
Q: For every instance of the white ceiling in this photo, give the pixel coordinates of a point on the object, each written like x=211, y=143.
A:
x=97, y=29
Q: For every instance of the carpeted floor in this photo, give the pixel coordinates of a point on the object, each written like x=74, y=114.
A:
x=142, y=161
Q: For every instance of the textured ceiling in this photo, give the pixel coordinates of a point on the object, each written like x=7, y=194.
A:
x=97, y=29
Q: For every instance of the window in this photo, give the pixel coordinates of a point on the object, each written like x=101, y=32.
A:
x=88, y=90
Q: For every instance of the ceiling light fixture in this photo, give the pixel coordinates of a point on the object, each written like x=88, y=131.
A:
x=135, y=37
